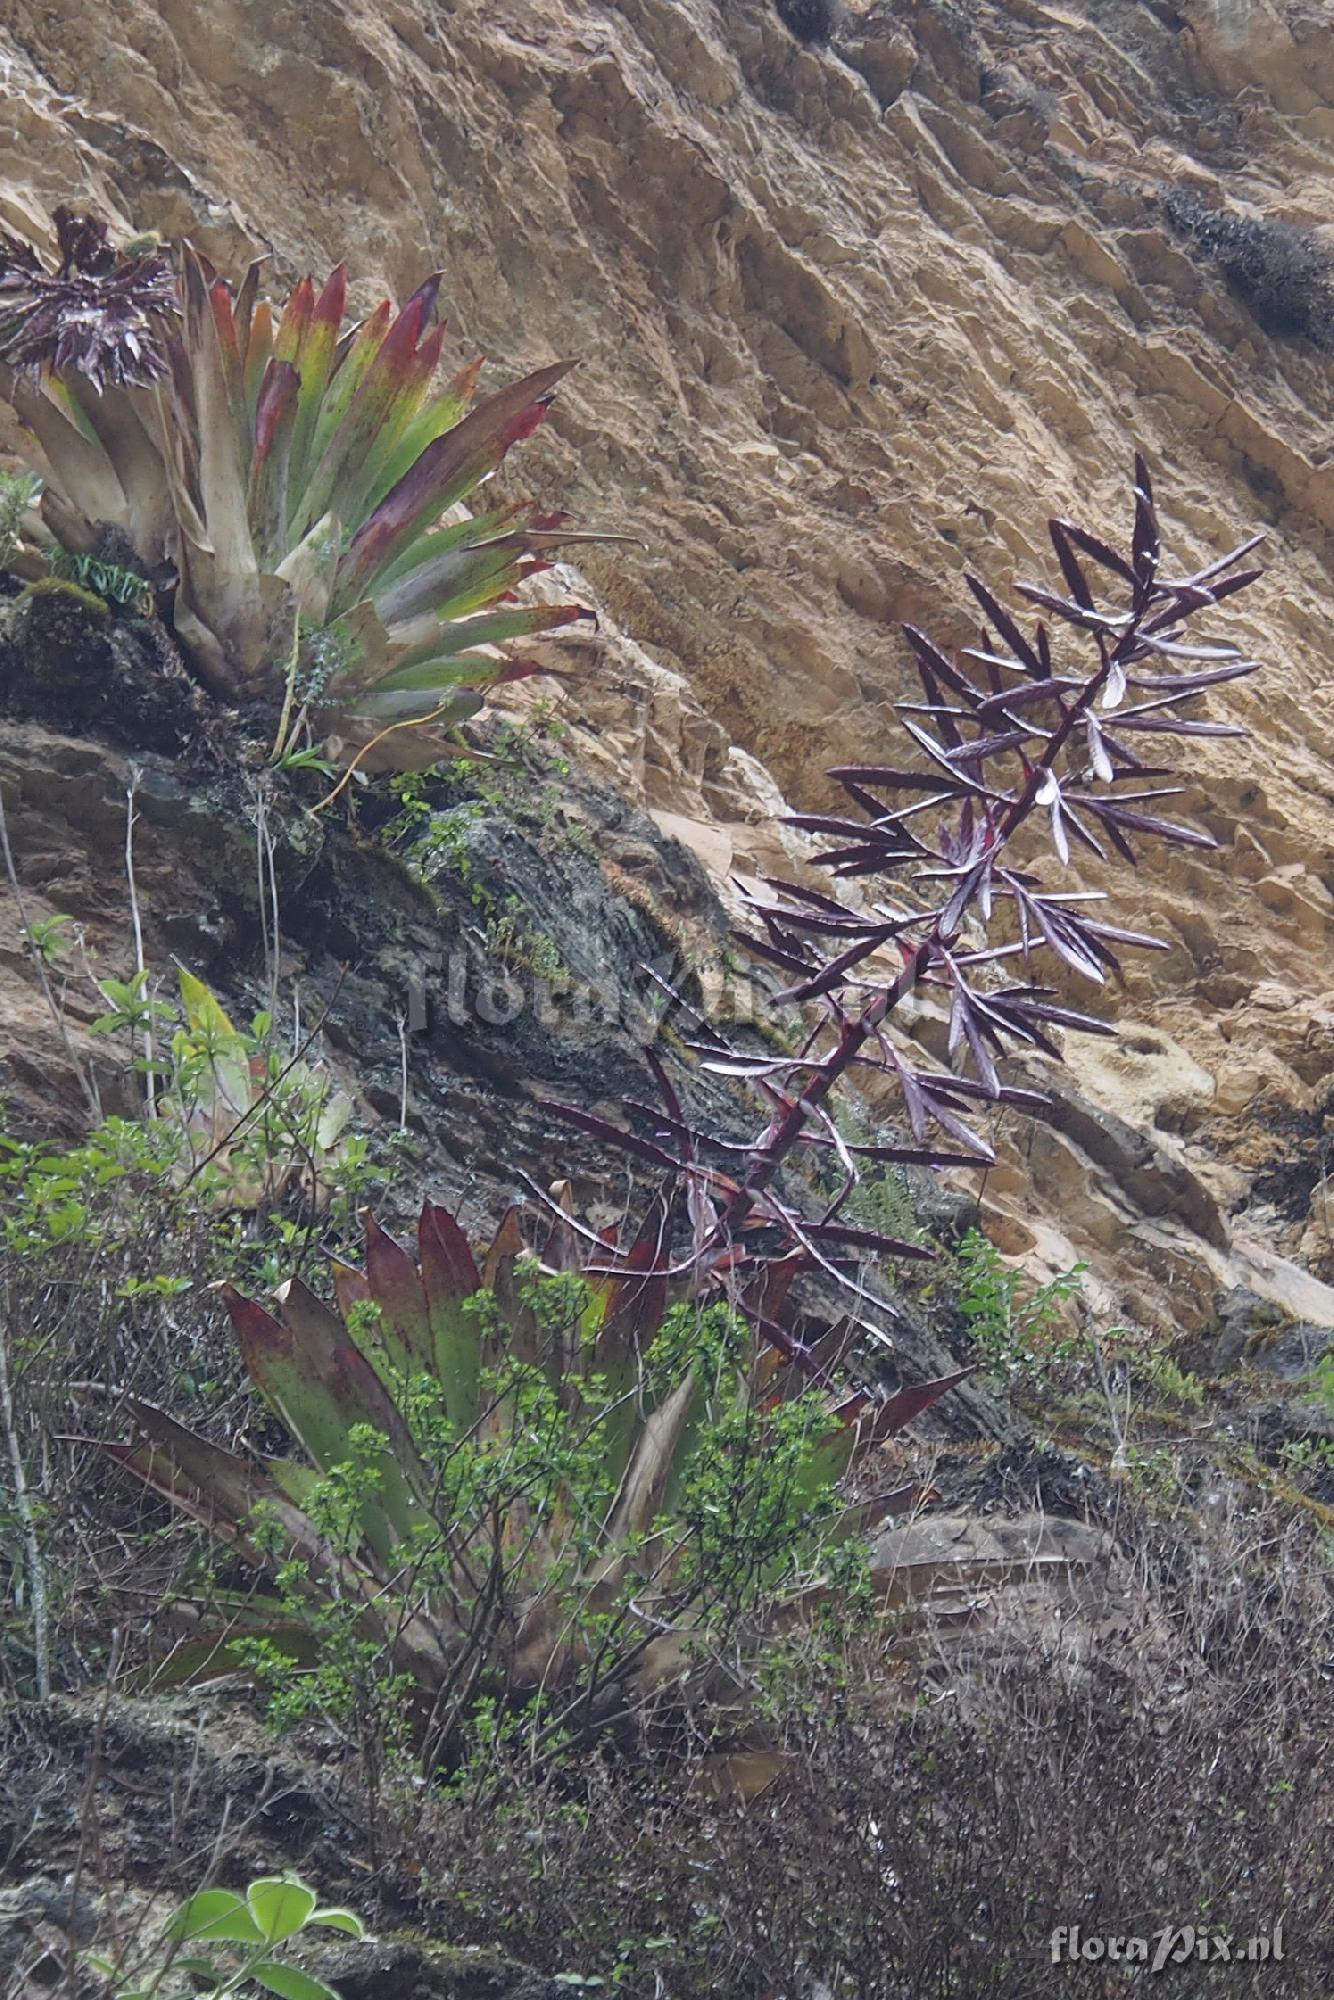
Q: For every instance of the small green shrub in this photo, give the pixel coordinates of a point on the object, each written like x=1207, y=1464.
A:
x=255, y=1118
x=84, y=1195
x=251, y=1930
x=1171, y=1382
x=1016, y=1329
x=1156, y=1474
x=1305, y=1457
x=97, y=1251
x=513, y=939
x=432, y=829
x=236, y=1115
x=243, y=1158
x=552, y=1487
x=1322, y=1381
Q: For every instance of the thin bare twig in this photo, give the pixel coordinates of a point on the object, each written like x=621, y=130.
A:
x=266, y=885
x=32, y=1550
x=400, y=1022
x=90, y=1797
x=140, y=963
x=1120, y=1462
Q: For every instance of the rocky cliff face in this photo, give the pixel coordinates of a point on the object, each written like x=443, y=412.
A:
x=852, y=319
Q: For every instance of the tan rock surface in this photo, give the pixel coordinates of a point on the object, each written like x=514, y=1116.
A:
x=850, y=321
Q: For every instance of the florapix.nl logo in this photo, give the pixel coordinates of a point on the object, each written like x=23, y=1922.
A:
x=1174, y=1944
x=469, y=987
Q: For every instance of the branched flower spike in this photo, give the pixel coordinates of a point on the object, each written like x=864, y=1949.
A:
x=1009, y=732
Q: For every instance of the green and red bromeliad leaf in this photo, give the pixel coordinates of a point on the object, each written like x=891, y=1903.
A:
x=293, y=475
x=452, y=1319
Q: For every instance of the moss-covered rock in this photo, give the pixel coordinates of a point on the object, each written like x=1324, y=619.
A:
x=65, y=660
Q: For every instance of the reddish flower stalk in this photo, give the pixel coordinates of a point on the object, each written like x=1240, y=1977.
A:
x=1027, y=734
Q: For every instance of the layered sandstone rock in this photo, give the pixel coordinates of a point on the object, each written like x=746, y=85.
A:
x=851, y=320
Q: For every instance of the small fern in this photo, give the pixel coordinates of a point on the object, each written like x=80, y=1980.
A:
x=883, y=1197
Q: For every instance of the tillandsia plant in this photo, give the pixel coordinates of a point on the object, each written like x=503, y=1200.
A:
x=297, y=489
x=546, y=1480
x=1014, y=738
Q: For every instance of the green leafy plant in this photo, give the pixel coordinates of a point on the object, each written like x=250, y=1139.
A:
x=1322, y=1380
x=1015, y=1328
x=1155, y=1473
x=513, y=939
x=305, y=484
x=1172, y=1382
x=48, y=938
x=19, y=493
x=529, y=1481
x=108, y=580
x=257, y=1121
x=249, y=1120
x=1304, y=1456
x=307, y=759
x=132, y=1006
x=250, y=1930
x=53, y=1198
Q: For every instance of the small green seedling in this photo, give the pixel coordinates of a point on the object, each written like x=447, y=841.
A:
x=274, y=1910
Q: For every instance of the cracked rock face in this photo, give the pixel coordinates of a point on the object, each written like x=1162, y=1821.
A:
x=851, y=319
